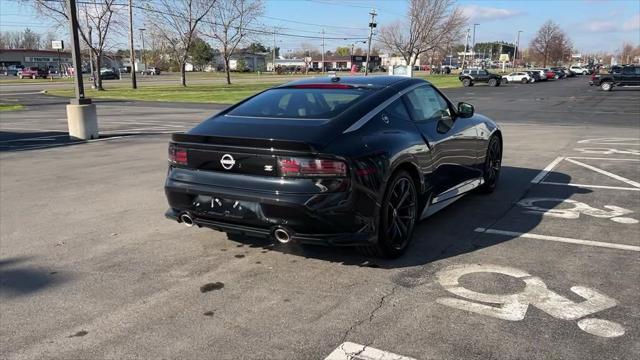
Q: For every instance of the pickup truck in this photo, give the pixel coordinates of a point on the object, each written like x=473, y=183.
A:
x=33, y=73
x=472, y=76
x=620, y=76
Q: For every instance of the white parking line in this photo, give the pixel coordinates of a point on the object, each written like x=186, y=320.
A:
x=590, y=186
x=599, y=158
x=559, y=239
x=38, y=138
x=603, y=172
x=353, y=351
x=542, y=174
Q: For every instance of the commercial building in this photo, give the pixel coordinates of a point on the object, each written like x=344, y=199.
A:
x=46, y=59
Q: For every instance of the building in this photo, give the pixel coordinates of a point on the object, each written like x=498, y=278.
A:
x=390, y=60
x=344, y=62
x=47, y=59
x=252, y=62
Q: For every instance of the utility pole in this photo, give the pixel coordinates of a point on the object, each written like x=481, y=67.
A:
x=323, y=51
x=466, y=45
x=273, y=65
x=132, y=54
x=515, y=54
x=372, y=25
x=93, y=76
x=144, y=57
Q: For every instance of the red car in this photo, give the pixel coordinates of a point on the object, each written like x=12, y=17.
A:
x=33, y=73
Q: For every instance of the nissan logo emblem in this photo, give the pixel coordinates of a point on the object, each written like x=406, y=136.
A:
x=227, y=161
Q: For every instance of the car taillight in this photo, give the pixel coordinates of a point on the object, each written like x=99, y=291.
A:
x=302, y=167
x=177, y=155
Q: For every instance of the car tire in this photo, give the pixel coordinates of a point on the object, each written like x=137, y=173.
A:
x=524, y=80
x=492, y=165
x=606, y=86
x=556, y=77
x=584, y=73
x=33, y=77
x=466, y=82
x=493, y=82
x=397, y=219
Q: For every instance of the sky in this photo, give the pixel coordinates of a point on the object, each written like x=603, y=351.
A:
x=592, y=25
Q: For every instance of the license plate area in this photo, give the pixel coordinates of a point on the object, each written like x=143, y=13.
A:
x=222, y=207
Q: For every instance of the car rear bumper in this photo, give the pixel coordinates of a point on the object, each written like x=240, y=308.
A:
x=323, y=219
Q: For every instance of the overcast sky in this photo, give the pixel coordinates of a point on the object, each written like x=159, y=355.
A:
x=593, y=25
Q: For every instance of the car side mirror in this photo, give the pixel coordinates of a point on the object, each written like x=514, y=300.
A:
x=465, y=110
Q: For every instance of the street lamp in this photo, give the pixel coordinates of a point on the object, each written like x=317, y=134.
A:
x=515, y=54
x=474, y=41
x=144, y=58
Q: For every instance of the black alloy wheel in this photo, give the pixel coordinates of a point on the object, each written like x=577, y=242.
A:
x=398, y=216
x=493, y=82
x=492, y=165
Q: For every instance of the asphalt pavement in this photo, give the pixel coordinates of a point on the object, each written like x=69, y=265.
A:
x=547, y=267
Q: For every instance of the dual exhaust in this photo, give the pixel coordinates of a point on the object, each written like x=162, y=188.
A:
x=281, y=234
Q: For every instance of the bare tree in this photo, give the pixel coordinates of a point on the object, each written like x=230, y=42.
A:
x=431, y=24
x=177, y=22
x=229, y=25
x=550, y=43
x=626, y=53
x=97, y=17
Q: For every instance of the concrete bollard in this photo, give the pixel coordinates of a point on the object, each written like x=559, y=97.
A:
x=82, y=121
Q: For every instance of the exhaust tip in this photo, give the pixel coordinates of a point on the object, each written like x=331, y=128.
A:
x=186, y=219
x=281, y=235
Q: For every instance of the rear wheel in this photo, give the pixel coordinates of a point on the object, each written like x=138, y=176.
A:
x=524, y=80
x=466, y=82
x=606, y=86
x=398, y=216
x=505, y=80
x=492, y=165
x=493, y=82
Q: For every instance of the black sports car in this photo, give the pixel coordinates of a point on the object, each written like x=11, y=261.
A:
x=338, y=161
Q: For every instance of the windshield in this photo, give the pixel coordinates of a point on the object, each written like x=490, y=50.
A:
x=307, y=103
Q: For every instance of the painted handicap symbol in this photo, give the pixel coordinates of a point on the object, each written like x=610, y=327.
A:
x=613, y=213
x=513, y=307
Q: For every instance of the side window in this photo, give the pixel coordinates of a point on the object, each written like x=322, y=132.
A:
x=628, y=71
x=426, y=104
x=395, y=112
x=482, y=72
x=474, y=72
x=637, y=70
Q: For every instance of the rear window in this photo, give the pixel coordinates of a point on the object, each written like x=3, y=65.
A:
x=308, y=103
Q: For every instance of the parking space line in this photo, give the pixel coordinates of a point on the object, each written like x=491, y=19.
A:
x=599, y=158
x=603, y=172
x=353, y=351
x=38, y=138
x=559, y=239
x=590, y=186
x=542, y=174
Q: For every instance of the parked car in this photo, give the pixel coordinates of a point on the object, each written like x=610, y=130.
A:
x=535, y=76
x=559, y=74
x=620, y=76
x=542, y=74
x=12, y=70
x=550, y=74
x=521, y=77
x=471, y=76
x=151, y=71
x=246, y=170
x=108, y=74
x=567, y=72
x=32, y=72
x=579, y=70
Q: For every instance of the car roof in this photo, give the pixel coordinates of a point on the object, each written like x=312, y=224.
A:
x=376, y=81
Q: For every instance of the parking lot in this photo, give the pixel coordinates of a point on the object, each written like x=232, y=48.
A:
x=546, y=267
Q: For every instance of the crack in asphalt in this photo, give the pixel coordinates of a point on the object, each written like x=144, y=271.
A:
x=369, y=318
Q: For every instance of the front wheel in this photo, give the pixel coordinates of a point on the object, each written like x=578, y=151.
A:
x=492, y=165
x=466, y=82
x=398, y=216
x=505, y=80
x=606, y=86
x=493, y=82
x=524, y=80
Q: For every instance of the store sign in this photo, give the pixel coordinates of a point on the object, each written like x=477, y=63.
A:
x=57, y=44
x=44, y=59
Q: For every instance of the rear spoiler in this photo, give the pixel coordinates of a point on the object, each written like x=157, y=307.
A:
x=244, y=142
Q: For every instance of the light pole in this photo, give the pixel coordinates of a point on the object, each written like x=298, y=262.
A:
x=466, y=46
x=515, y=54
x=132, y=55
x=144, y=57
x=372, y=25
x=474, y=42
